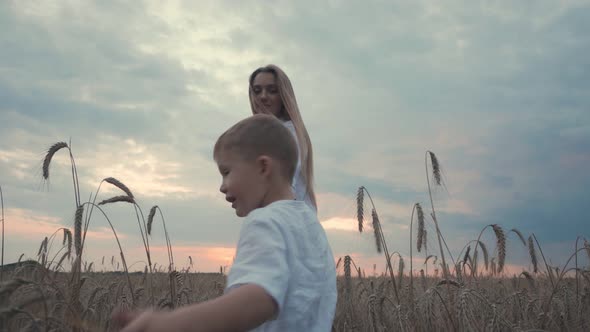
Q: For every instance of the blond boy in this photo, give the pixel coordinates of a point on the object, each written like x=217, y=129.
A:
x=283, y=277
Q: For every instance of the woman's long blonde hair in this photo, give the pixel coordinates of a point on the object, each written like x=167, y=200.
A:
x=290, y=106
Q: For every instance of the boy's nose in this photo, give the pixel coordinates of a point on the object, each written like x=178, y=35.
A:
x=223, y=189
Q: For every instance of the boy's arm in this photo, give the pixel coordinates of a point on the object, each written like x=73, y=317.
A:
x=241, y=309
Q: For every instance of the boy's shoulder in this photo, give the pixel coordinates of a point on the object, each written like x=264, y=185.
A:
x=281, y=211
x=281, y=206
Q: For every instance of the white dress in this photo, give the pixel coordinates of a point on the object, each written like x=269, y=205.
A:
x=298, y=185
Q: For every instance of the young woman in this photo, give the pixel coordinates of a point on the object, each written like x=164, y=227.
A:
x=271, y=92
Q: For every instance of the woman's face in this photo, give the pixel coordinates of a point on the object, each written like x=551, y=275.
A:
x=267, y=95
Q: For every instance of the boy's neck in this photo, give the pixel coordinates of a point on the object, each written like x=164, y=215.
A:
x=278, y=193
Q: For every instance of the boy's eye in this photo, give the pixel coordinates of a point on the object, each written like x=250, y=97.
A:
x=257, y=90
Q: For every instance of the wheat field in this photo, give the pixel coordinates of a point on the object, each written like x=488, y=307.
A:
x=61, y=291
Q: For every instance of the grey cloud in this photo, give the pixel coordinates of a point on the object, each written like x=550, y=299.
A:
x=497, y=91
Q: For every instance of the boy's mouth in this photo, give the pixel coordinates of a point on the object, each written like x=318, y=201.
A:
x=232, y=200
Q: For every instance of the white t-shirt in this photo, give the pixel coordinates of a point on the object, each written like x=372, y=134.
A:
x=298, y=184
x=284, y=249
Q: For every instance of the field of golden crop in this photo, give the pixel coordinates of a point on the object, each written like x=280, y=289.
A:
x=61, y=292
x=37, y=299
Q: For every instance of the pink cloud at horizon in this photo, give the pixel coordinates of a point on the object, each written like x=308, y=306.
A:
x=374, y=265
x=28, y=225
x=204, y=258
x=340, y=223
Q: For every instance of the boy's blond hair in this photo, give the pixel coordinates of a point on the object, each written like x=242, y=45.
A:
x=258, y=135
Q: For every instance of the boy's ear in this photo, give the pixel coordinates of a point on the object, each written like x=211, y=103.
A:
x=264, y=164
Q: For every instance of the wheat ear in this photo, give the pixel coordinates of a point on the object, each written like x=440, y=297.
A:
x=78, y=229
x=50, y=152
x=501, y=245
x=360, y=195
x=122, y=198
x=151, y=219
x=421, y=231
x=376, y=226
x=119, y=185
x=533, y=254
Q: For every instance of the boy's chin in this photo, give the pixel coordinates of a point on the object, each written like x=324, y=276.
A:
x=241, y=213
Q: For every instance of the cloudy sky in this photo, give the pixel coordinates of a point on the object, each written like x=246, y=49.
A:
x=499, y=90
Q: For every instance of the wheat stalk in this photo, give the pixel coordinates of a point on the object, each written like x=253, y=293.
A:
x=493, y=266
x=347, y=276
x=421, y=231
x=517, y=232
x=400, y=271
x=2, y=221
x=429, y=257
x=167, y=237
x=466, y=255
x=50, y=152
x=376, y=226
x=338, y=263
x=423, y=279
x=436, y=172
x=119, y=185
x=484, y=250
x=385, y=250
x=500, y=245
x=123, y=198
x=360, y=207
x=42, y=247
x=501, y=249
x=78, y=229
x=419, y=240
x=67, y=239
x=529, y=278
x=151, y=219
x=435, y=168
x=533, y=254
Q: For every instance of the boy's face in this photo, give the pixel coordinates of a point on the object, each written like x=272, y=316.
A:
x=242, y=182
